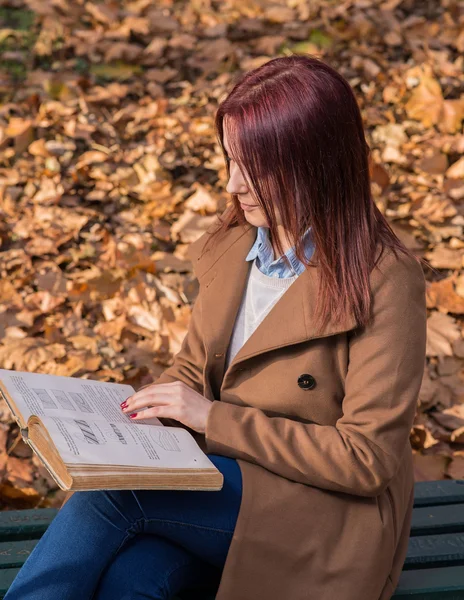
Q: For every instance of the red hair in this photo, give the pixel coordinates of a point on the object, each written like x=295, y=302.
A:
x=295, y=130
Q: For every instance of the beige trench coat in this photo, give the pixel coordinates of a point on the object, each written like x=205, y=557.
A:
x=327, y=470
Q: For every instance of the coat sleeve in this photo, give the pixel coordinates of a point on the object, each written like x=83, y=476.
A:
x=361, y=453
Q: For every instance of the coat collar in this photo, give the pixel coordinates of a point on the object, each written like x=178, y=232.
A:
x=222, y=272
x=263, y=250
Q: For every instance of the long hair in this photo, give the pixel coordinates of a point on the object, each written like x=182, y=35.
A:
x=296, y=133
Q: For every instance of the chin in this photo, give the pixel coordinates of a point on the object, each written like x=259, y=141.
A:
x=255, y=218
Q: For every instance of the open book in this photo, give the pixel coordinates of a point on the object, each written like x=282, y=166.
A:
x=78, y=430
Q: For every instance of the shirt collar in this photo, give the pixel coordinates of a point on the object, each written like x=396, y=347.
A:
x=262, y=248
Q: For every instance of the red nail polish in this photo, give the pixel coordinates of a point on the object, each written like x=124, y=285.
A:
x=124, y=404
x=133, y=415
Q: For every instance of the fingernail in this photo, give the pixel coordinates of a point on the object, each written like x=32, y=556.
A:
x=133, y=415
x=124, y=404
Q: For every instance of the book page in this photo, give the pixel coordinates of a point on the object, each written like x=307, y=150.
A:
x=54, y=395
x=84, y=440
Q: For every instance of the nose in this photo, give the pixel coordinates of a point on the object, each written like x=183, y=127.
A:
x=236, y=183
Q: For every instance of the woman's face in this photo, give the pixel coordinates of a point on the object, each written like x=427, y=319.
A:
x=237, y=185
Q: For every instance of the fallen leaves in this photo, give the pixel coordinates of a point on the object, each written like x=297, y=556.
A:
x=109, y=168
x=446, y=296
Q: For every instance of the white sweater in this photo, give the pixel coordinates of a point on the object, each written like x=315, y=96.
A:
x=261, y=293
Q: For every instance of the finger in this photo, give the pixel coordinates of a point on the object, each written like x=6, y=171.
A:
x=156, y=411
x=157, y=386
x=156, y=389
x=143, y=404
x=145, y=398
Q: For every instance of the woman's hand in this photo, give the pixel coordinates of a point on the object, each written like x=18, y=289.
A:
x=174, y=400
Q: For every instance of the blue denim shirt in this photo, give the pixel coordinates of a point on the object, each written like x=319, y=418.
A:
x=262, y=248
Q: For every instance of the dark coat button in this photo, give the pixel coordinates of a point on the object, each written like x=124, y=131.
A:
x=306, y=381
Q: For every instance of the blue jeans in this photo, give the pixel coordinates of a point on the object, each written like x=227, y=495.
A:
x=131, y=544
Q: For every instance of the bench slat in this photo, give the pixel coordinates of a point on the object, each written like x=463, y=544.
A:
x=437, y=519
x=25, y=524
x=433, y=493
x=14, y=554
x=435, y=551
x=6, y=579
x=445, y=583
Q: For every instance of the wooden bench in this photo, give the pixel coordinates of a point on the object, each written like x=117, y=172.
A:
x=433, y=570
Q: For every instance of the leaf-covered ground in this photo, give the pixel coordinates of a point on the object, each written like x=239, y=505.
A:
x=109, y=168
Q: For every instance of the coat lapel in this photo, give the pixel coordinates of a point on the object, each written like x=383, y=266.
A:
x=224, y=272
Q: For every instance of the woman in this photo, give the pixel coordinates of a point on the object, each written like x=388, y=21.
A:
x=299, y=376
